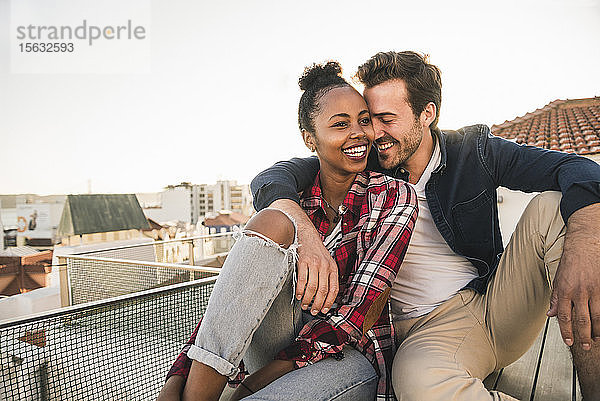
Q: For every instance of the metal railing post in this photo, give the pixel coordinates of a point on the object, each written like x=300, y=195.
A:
x=191, y=252
x=65, y=290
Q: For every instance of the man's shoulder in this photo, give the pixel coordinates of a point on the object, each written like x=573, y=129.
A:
x=468, y=134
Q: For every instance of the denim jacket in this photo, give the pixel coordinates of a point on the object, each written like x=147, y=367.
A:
x=461, y=192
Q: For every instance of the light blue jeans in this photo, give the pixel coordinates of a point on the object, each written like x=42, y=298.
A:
x=252, y=314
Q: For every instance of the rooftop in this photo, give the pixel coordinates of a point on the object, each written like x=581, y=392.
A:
x=571, y=126
x=19, y=251
x=87, y=214
x=226, y=219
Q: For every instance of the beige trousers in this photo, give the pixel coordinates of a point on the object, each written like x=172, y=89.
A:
x=446, y=354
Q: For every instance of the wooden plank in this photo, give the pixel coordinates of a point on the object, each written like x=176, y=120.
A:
x=556, y=370
x=578, y=396
x=517, y=379
x=227, y=393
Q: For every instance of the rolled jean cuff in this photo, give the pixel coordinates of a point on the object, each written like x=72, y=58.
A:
x=223, y=366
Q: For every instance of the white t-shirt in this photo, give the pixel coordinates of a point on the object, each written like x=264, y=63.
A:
x=333, y=239
x=431, y=272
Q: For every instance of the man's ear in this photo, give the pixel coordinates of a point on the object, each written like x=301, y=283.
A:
x=309, y=140
x=428, y=114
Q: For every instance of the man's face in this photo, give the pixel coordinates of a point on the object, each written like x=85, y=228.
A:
x=398, y=133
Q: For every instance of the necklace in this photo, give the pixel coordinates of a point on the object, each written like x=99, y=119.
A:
x=339, y=211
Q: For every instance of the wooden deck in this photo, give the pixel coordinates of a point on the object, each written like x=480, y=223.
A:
x=544, y=373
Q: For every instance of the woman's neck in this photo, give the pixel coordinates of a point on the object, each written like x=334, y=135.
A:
x=335, y=186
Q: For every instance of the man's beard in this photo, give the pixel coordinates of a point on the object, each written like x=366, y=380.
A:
x=405, y=148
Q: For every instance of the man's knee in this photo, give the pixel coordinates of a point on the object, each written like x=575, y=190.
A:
x=549, y=201
x=542, y=215
x=273, y=224
x=422, y=374
x=545, y=205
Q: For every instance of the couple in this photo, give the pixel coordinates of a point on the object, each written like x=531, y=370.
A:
x=458, y=309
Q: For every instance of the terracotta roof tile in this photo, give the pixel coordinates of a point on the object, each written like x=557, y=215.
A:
x=228, y=219
x=571, y=126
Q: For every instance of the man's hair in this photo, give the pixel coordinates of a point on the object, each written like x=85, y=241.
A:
x=423, y=80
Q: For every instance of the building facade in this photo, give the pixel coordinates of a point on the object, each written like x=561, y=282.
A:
x=190, y=203
x=32, y=218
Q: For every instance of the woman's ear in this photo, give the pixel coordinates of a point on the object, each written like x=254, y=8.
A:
x=309, y=140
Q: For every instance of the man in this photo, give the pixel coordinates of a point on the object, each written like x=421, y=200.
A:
x=464, y=307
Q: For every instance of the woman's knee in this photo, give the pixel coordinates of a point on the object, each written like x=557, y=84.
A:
x=273, y=224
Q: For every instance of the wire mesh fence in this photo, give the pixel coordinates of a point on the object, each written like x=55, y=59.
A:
x=117, y=349
x=94, y=278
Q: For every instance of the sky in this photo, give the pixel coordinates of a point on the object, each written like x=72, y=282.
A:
x=211, y=92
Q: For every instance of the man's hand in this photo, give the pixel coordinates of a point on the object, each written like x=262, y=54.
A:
x=317, y=271
x=576, y=295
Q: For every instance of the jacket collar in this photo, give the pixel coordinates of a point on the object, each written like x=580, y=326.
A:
x=440, y=136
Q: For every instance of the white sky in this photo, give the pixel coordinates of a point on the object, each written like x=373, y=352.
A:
x=220, y=100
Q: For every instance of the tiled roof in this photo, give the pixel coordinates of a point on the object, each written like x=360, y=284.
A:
x=571, y=126
x=228, y=220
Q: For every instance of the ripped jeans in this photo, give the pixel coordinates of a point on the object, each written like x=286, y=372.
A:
x=252, y=314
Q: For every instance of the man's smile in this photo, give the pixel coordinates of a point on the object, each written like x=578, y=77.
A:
x=383, y=146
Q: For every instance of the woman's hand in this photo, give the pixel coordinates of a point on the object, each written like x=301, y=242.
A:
x=317, y=271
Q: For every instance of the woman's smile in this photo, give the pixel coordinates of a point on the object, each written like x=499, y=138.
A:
x=357, y=152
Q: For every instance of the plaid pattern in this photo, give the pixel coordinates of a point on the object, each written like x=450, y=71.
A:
x=380, y=213
x=376, y=228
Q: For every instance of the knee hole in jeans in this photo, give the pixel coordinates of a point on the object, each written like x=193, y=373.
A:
x=273, y=224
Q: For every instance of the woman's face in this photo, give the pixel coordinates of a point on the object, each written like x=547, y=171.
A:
x=343, y=131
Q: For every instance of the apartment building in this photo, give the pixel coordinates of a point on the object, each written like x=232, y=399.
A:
x=190, y=203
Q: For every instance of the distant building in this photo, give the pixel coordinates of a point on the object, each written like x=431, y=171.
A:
x=173, y=204
x=189, y=203
x=101, y=218
x=228, y=195
x=23, y=269
x=571, y=126
x=225, y=221
x=2, y=244
x=33, y=218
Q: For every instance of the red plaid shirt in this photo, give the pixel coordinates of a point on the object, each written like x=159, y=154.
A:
x=380, y=213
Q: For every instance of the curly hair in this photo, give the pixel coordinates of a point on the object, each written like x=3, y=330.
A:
x=423, y=80
x=316, y=81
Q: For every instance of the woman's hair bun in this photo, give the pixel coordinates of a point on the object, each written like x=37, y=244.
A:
x=321, y=75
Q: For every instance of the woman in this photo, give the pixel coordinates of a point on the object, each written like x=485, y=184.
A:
x=365, y=220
